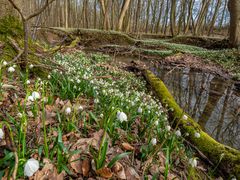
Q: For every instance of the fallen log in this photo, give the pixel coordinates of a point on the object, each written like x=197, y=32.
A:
x=226, y=158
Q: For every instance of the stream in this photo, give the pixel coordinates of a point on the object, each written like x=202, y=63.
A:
x=212, y=101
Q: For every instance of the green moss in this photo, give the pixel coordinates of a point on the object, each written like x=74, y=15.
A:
x=228, y=157
x=10, y=26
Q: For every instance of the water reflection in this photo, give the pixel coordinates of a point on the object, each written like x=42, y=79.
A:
x=212, y=101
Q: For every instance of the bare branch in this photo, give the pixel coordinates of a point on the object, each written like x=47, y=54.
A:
x=47, y=3
x=17, y=8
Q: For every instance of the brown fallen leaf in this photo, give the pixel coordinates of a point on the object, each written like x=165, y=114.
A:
x=49, y=171
x=104, y=172
x=131, y=174
x=85, y=167
x=127, y=147
x=75, y=163
x=119, y=171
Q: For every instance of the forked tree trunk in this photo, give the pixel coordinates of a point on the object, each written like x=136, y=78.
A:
x=25, y=20
x=122, y=14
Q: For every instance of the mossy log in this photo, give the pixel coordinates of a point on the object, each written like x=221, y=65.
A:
x=227, y=158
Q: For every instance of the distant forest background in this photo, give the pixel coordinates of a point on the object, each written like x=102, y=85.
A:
x=166, y=17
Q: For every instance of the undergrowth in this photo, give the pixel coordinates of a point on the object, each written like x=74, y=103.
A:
x=106, y=109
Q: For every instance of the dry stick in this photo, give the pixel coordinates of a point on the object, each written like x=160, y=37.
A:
x=15, y=166
x=199, y=152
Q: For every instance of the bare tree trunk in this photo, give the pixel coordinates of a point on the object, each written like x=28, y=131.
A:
x=25, y=20
x=137, y=16
x=66, y=13
x=122, y=14
x=173, y=17
x=165, y=22
x=201, y=16
x=105, y=9
x=190, y=7
x=147, y=15
x=154, y=12
x=95, y=14
x=214, y=17
x=181, y=16
x=234, y=9
x=159, y=17
x=223, y=14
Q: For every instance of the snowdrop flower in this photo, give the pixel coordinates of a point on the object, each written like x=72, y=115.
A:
x=30, y=98
x=197, y=135
x=96, y=101
x=19, y=115
x=140, y=110
x=1, y=133
x=31, y=66
x=187, y=134
x=80, y=108
x=101, y=115
x=5, y=63
x=178, y=133
x=193, y=162
x=156, y=123
x=35, y=95
x=31, y=166
x=11, y=69
x=121, y=116
x=168, y=128
x=28, y=82
x=14, y=66
x=68, y=110
x=184, y=117
x=49, y=76
x=154, y=141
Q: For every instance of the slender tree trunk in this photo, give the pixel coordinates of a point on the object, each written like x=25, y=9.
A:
x=66, y=13
x=95, y=14
x=154, y=12
x=173, y=17
x=136, y=28
x=202, y=15
x=159, y=17
x=165, y=24
x=214, y=17
x=190, y=7
x=223, y=14
x=122, y=14
x=181, y=16
x=147, y=15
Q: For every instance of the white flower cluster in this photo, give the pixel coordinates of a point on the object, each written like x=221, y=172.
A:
x=34, y=96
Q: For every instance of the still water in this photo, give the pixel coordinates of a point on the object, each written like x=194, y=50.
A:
x=212, y=101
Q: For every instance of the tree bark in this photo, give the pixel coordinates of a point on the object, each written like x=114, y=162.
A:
x=234, y=30
x=173, y=17
x=122, y=14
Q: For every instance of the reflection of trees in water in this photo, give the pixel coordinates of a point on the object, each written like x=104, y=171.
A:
x=209, y=100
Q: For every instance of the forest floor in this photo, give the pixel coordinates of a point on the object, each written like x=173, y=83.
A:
x=94, y=120
x=89, y=118
x=206, y=54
